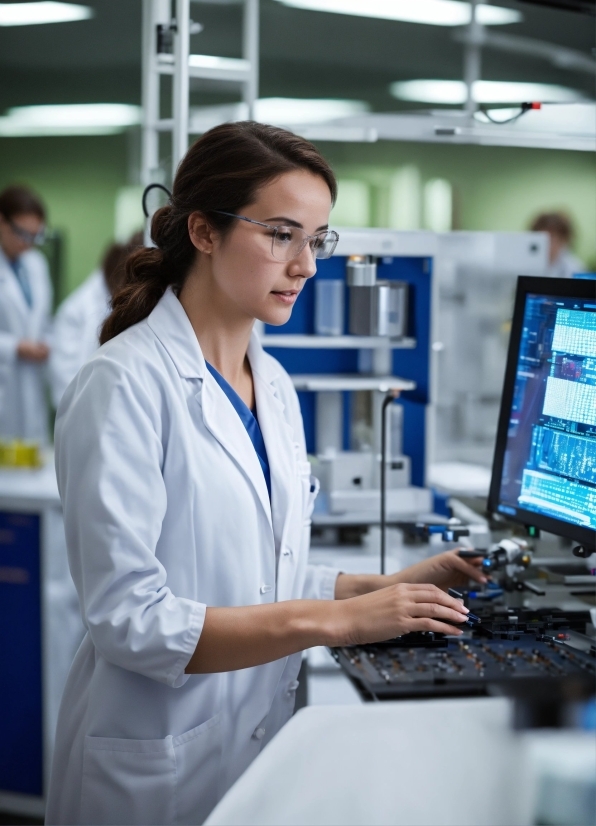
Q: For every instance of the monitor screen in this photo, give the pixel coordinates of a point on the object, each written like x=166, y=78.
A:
x=544, y=471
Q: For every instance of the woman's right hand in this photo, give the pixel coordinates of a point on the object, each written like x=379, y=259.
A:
x=396, y=610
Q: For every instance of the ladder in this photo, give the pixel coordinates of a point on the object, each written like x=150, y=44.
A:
x=167, y=27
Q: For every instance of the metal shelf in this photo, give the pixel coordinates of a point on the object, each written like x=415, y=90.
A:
x=321, y=382
x=338, y=342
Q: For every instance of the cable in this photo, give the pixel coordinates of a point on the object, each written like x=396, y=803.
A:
x=524, y=107
x=147, y=190
x=386, y=402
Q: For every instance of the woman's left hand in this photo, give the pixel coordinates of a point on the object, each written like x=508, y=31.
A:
x=445, y=570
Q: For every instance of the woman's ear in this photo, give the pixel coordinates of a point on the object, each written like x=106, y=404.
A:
x=200, y=232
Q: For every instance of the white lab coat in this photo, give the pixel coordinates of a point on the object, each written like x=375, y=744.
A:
x=565, y=265
x=23, y=402
x=166, y=512
x=76, y=331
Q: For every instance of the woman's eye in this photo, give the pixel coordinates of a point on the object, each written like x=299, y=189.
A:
x=284, y=235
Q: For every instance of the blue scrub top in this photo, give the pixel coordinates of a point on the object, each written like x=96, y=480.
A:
x=248, y=418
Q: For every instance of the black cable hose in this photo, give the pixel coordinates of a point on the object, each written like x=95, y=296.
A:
x=386, y=402
x=147, y=190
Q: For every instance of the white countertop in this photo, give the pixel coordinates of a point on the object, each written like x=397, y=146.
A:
x=412, y=763
x=36, y=486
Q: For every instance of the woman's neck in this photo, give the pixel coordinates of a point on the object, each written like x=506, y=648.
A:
x=223, y=335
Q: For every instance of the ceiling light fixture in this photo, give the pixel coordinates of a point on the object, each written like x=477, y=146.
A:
x=431, y=12
x=290, y=112
x=484, y=91
x=69, y=119
x=32, y=14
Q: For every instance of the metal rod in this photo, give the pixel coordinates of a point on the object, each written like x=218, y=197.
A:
x=472, y=59
x=250, y=52
x=181, y=83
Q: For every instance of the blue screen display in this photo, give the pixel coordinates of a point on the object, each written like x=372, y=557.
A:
x=550, y=459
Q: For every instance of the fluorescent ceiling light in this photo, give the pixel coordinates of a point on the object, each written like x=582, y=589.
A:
x=206, y=61
x=69, y=119
x=433, y=12
x=484, y=91
x=278, y=111
x=304, y=110
x=32, y=14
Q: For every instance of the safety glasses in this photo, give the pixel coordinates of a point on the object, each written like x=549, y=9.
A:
x=31, y=238
x=288, y=242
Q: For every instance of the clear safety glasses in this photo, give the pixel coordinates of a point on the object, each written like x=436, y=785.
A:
x=288, y=242
x=31, y=238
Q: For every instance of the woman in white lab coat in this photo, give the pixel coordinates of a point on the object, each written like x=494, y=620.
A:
x=187, y=500
x=79, y=319
x=25, y=308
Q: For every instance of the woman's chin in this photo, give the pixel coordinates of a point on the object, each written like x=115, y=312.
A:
x=277, y=317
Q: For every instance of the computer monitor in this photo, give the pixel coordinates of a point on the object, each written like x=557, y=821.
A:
x=544, y=469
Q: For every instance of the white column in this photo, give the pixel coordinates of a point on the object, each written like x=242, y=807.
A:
x=250, y=52
x=181, y=83
x=329, y=421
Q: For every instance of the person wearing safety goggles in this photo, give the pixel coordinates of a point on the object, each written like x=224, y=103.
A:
x=25, y=315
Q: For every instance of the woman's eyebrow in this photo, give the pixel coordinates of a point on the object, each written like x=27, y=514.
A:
x=292, y=223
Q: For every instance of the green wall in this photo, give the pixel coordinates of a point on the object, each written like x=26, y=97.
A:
x=495, y=188
x=78, y=179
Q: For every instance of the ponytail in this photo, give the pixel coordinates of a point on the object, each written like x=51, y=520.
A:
x=222, y=171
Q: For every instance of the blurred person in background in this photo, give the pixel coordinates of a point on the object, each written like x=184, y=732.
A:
x=25, y=316
x=80, y=316
x=562, y=262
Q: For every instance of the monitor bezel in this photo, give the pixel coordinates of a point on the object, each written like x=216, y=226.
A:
x=535, y=285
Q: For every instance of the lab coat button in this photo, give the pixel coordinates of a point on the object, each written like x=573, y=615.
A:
x=259, y=733
x=266, y=588
x=293, y=686
x=286, y=551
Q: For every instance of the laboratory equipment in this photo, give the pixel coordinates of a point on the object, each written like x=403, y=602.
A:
x=377, y=308
x=474, y=276
x=544, y=471
x=536, y=637
x=528, y=649
x=329, y=307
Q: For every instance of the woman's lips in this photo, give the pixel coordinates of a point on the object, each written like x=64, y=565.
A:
x=285, y=296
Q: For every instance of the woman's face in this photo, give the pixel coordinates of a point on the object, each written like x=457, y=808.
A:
x=246, y=274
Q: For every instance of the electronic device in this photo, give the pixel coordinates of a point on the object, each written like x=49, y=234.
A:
x=509, y=652
x=544, y=469
x=544, y=477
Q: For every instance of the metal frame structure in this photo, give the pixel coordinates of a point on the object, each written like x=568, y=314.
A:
x=169, y=21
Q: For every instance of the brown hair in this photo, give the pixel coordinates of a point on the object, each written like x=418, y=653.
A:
x=223, y=170
x=19, y=200
x=556, y=223
x=113, y=263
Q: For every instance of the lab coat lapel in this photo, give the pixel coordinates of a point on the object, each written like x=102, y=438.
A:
x=173, y=328
x=279, y=442
x=13, y=295
x=225, y=424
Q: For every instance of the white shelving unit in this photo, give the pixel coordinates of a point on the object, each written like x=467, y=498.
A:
x=320, y=382
x=338, y=342
x=240, y=75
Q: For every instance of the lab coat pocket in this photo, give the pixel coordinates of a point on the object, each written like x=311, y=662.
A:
x=198, y=755
x=310, y=488
x=128, y=781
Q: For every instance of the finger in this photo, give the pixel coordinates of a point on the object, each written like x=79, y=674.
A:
x=434, y=611
x=426, y=624
x=467, y=569
x=432, y=594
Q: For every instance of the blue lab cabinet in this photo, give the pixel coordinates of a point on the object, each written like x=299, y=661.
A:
x=407, y=363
